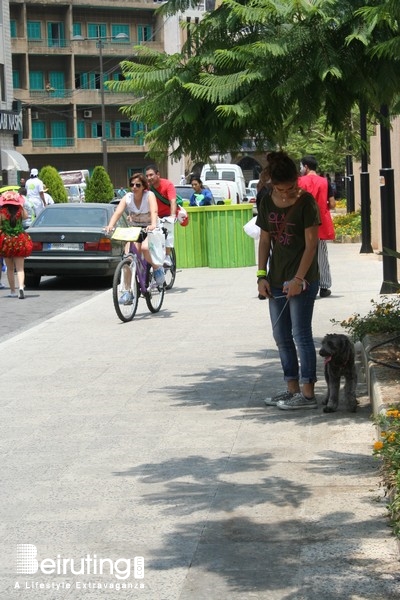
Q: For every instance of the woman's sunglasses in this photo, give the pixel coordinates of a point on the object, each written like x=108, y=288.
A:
x=136, y=185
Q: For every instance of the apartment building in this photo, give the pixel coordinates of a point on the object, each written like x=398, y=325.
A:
x=59, y=50
x=10, y=112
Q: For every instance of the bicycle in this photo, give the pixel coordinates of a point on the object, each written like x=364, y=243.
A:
x=170, y=270
x=134, y=276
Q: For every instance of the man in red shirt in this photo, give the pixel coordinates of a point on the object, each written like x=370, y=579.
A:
x=166, y=205
x=318, y=187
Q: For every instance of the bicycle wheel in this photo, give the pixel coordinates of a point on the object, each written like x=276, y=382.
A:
x=170, y=272
x=155, y=295
x=126, y=311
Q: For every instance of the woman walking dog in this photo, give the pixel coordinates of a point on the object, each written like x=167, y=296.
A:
x=289, y=218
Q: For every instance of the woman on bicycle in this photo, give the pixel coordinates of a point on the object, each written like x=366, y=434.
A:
x=141, y=206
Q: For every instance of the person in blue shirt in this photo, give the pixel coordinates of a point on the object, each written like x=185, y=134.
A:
x=201, y=196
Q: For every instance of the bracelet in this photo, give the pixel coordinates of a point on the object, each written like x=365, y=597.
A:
x=299, y=278
x=261, y=273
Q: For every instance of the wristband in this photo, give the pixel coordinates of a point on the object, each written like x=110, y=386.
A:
x=261, y=273
x=299, y=278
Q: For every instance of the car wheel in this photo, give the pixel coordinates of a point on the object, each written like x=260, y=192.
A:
x=32, y=281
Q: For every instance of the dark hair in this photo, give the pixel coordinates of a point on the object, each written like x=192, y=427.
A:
x=196, y=179
x=282, y=169
x=12, y=209
x=310, y=161
x=152, y=167
x=141, y=178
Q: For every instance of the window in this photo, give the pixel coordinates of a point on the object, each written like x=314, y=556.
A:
x=34, y=29
x=36, y=80
x=81, y=129
x=2, y=84
x=38, y=130
x=16, y=79
x=116, y=29
x=55, y=34
x=145, y=33
x=76, y=29
x=13, y=28
x=97, y=30
x=96, y=130
x=123, y=129
x=82, y=81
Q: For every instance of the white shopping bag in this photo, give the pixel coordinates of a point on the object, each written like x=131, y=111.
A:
x=252, y=229
x=156, y=240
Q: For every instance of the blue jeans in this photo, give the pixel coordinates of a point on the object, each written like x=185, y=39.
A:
x=292, y=332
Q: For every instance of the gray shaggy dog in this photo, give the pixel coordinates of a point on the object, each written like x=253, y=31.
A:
x=338, y=351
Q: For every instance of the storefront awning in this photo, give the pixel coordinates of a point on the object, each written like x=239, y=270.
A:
x=11, y=159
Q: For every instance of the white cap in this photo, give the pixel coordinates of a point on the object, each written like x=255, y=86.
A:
x=34, y=172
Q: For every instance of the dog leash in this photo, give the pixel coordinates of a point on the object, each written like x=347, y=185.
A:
x=284, y=306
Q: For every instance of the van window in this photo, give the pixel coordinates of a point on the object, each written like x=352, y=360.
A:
x=212, y=175
x=228, y=175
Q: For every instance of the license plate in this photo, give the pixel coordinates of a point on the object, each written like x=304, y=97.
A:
x=64, y=246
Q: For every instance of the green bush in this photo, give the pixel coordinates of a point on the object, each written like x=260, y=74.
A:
x=52, y=180
x=99, y=187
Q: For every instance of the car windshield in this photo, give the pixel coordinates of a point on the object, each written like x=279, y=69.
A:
x=184, y=192
x=68, y=217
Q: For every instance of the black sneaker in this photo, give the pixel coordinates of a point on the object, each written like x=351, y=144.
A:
x=324, y=292
x=21, y=294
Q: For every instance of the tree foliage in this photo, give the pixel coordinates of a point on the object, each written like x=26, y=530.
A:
x=260, y=69
x=52, y=180
x=99, y=187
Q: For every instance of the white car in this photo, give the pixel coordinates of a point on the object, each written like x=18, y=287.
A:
x=251, y=194
x=253, y=184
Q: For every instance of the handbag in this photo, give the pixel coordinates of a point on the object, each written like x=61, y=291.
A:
x=252, y=229
x=156, y=241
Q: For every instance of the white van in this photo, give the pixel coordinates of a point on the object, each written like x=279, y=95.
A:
x=223, y=190
x=225, y=172
x=79, y=176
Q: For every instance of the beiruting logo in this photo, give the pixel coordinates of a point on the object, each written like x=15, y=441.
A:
x=28, y=564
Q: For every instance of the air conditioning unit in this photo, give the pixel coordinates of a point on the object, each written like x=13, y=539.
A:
x=34, y=115
x=87, y=114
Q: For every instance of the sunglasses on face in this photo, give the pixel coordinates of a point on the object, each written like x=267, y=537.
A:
x=136, y=185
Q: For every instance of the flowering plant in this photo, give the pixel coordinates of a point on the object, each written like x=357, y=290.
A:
x=348, y=224
x=388, y=448
x=384, y=317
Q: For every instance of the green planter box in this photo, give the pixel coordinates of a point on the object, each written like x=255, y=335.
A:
x=227, y=243
x=190, y=242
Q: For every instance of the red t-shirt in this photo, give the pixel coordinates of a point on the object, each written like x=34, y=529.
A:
x=318, y=187
x=167, y=189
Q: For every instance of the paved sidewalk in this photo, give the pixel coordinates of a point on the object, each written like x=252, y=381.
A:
x=151, y=439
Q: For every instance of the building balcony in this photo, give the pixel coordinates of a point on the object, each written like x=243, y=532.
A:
x=93, y=97
x=112, y=47
x=128, y=4
x=43, y=96
x=72, y=96
x=82, y=145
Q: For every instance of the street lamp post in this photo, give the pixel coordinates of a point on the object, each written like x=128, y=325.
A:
x=100, y=45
